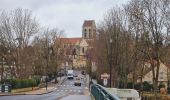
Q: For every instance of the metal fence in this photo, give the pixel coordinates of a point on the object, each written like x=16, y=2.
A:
x=100, y=93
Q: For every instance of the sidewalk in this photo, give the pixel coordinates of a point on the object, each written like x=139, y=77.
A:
x=51, y=87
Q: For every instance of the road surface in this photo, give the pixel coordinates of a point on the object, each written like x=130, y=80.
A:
x=61, y=92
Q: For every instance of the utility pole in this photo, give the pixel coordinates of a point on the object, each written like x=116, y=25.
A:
x=47, y=64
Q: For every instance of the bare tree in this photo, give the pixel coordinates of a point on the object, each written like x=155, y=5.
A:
x=48, y=47
x=152, y=16
x=115, y=27
x=16, y=28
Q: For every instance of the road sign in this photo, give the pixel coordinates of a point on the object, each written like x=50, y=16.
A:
x=66, y=63
x=105, y=81
x=105, y=76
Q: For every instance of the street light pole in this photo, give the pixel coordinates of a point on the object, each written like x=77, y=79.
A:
x=110, y=63
x=46, y=81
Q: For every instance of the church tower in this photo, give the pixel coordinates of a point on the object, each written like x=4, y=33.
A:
x=89, y=29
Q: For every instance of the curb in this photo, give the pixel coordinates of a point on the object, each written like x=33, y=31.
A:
x=13, y=94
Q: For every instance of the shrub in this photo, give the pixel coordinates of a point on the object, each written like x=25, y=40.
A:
x=145, y=86
x=129, y=85
x=137, y=86
x=161, y=85
x=22, y=83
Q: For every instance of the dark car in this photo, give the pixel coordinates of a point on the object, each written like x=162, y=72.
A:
x=60, y=74
x=83, y=73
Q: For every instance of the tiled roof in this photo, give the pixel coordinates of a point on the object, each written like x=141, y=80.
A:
x=70, y=40
x=88, y=23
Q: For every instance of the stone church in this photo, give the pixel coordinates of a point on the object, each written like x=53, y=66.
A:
x=76, y=48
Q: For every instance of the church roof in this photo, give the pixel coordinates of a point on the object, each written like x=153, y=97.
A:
x=90, y=42
x=88, y=23
x=70, y=40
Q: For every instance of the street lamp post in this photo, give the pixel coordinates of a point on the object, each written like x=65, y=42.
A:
x=89, y=58
x=2, y=68
x=66, y=65
x=47, y=58
x=110, y=63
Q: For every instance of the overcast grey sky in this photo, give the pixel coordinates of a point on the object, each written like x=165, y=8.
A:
x=67, y=15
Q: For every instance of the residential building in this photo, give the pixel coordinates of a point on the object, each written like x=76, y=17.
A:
x=164, y=74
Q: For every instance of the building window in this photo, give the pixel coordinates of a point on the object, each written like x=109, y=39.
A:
x=85, y=35
x=64, y=45
x=74, y=52
x=82, y=50
x=89, y=33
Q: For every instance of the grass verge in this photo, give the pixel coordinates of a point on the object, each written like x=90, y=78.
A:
x=24, y=89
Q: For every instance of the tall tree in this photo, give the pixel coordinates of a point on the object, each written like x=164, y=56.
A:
x=16, y=28
x=152, y=16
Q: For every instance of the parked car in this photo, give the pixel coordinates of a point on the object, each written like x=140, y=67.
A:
x=75, y=75
x=77, y=82
x=83, y=73
x=60, y=74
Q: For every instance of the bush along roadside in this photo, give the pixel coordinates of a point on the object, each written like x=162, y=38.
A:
x=22, y=83
x=145, y=86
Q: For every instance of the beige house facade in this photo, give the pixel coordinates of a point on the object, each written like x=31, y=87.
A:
x=163, y=75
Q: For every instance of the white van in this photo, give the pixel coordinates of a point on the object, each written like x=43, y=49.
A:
x=70, y=74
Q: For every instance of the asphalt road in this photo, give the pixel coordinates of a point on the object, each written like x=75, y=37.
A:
x=64, y=90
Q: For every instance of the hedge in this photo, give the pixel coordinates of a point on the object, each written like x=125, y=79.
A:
x=146, y=86
x=22, y=83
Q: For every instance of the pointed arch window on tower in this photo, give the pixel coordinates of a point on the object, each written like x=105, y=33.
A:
x=83, y=50
x=89, y=33
x=85, y=33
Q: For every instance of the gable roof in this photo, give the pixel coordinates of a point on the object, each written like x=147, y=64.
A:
x=148, y=67
x=88, y=23
x=70, y=40
x=83, y=42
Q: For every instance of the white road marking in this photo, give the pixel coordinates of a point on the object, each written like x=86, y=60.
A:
x=71, y=90
x=58, y=90
x=74, y=90
x=86, y=87
x=62, y=90
x=79, y=91
x=65, y=85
